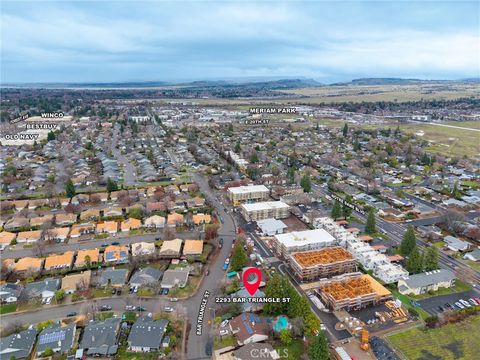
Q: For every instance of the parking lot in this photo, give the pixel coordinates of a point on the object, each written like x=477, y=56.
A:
x=382, y=350
x=431, y=305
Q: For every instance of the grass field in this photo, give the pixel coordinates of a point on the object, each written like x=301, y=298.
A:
x=7, y=308
x=453, y=341
x=293, y=351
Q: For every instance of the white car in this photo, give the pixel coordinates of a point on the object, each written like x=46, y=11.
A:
x=168, y=309
x=465, y=303
x=174, y=299
x=223, y=332
x=130, y=307
x=224, y=323
x=47, y=301
x=459, y=305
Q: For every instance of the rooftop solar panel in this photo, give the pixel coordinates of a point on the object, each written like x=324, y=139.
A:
x=249, y=329
x=52, y=337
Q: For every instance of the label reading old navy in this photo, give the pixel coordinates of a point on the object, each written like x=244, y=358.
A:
x=264, y=110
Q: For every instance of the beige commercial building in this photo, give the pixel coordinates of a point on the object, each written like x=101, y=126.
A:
x=247, y=193
x=324, y=263
x=265, y=210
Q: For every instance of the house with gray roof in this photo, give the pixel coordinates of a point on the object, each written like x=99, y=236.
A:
x=44, y=289
x=175, y=277
x=146, y=334
x=18, y=345
x=455, y=244
x=100, y=338
x=58, y=338
x=9, y=292
x=473, y=255
x=145, y=276
x=428, y=281
x=113, y=277
x=249, y=306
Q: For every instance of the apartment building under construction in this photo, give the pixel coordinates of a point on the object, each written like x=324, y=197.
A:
x=352, y=291
x=323, y=263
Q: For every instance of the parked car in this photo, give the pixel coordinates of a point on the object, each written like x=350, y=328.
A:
x=223, y=332
x=224, y=323
x=165, y=291
x=473, y=302
x=115, y=243
x=119, y=292
x=141, y=308
x=130, y=307
x=105, y=308
x=459, y=305
x=440, y=308
x=207, y=272
x=168, y=309
x=464, y=303
x=73, y=313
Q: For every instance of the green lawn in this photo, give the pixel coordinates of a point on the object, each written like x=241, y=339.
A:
x=97, y=293
x=439, y=244
x=104, y=315
x=452, y=341
x=129, y=316
x=220, y=342
x=145, y=291
x=8, y=308
x=293, y=351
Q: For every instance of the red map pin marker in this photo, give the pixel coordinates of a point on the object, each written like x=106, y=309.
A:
x=252, y=286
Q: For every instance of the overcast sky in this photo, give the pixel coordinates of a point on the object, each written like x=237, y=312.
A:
x=109, y=41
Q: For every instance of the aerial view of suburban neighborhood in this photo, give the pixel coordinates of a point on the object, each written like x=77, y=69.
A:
x=238, y=181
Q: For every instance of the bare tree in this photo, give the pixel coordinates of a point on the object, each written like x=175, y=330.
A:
x=453, y=220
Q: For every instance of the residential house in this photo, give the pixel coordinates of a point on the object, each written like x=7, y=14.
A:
x=57, y=234
x=75, y=282
x=249, y=306
x=156, y=206
x=17, y=223
x=28, y=264
x=143, y=248
x=82, y=229
x=175, y=277
x=250, y=328
x=29, y=237
x=93, y=255
x=59, y=261
x=113, y=277
x=100, y=338
x=65, y=219
x=145, y=277
x=115, y=254
x=193, y=247
x=110, y=227
x=9, y=293
x=429, y=281
x=113, y=212
x=6, y=238
x=155, y=221
x=130, y=224
x=19, y=345
x=473, y=256
x=90, y=214
x=171, y=248
x=44, y=289
x=146, y=334
x=58, y=338
x=455, y=244
x=175, y=219
x=201, y=219
x=40, y=221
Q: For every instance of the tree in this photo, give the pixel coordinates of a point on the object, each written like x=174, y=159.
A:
x=59, y=295
x=318, y=349
x=70, y=189
x=291, y=175
x=431, y=259
x=409, y=242
x=356, y=145
x=306, y=183
x=336, y=210
x=136, y=213
x=286, y=337
x=88, y=261
x=346, y=210
x=239, y=257
x=211, y=231
x=254, y=157
x=415, y=261
x=47, y=352
x=345, y=130
x=237, y=148
x=111, y=185
x=370, y=227
x=51, y=136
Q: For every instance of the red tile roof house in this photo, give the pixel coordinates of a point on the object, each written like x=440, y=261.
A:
x=250, y=328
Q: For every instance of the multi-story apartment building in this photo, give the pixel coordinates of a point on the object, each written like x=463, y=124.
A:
x=296, y=241
x=265, y=210
x=248, y=193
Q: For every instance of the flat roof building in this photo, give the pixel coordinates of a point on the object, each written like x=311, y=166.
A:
x=250, y=192
x=317, y=264
x=265, y=210
x=297, y=241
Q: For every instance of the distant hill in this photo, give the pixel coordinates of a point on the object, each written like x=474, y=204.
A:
x=400, y=81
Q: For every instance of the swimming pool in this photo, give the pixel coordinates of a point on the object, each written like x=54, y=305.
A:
x=281, y=323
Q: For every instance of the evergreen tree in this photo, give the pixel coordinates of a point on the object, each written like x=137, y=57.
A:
x=318, y=349
x=111, y=185
x=239, y=257
x=306, y=183
x=409, y=242
x=370, y=227
x=70, y=189
x=415, y=261
x=237, y=148
x=389, y=149
x=336, y=210
x=51, y=136
x=254, y=157
x=431, y=259
x=291, y=175
x=356, y=145
x=397, y=131
x=345, y=130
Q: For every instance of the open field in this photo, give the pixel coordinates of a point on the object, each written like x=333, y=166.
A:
x=399, y=93
x=453, y=341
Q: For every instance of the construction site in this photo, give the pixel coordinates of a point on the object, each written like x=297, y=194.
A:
x=317, y=264
x=352, y=292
